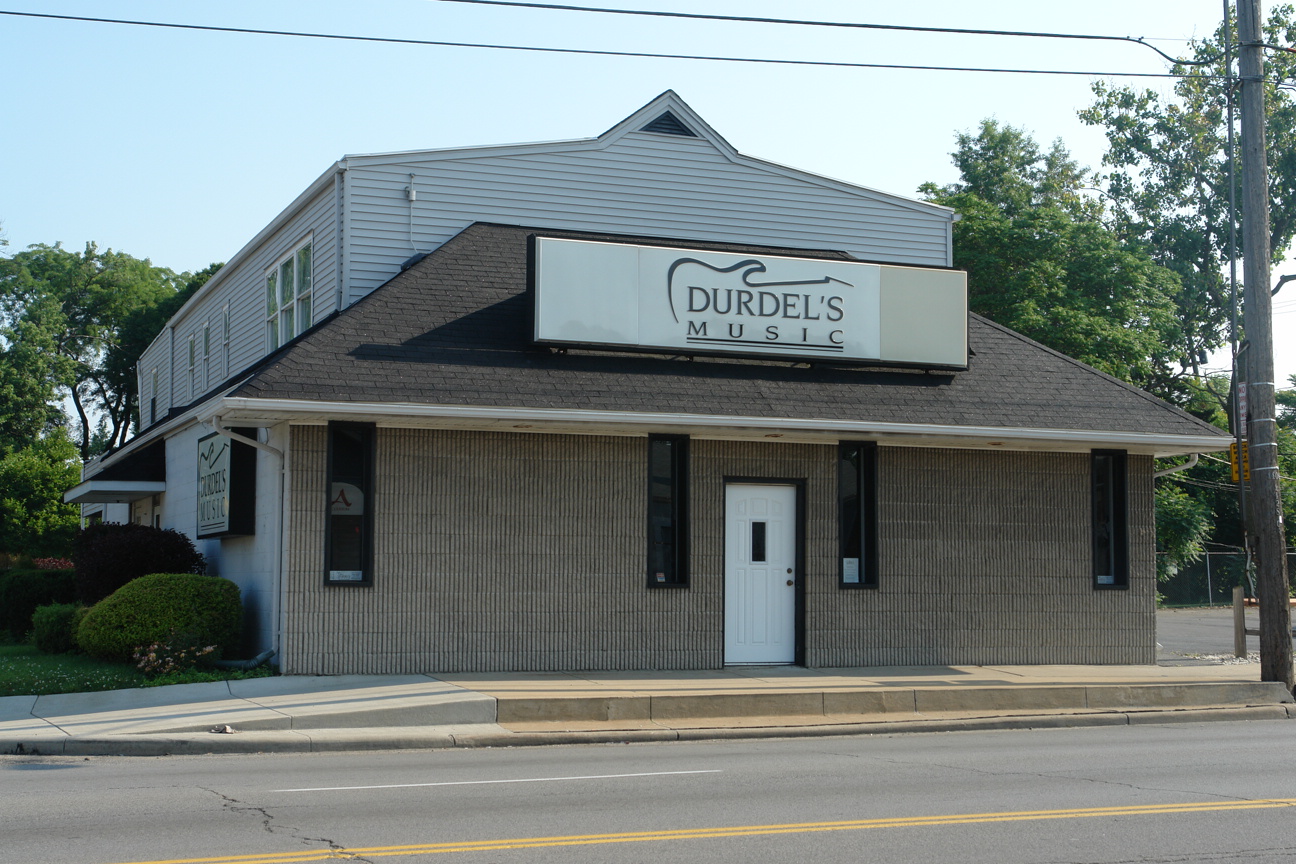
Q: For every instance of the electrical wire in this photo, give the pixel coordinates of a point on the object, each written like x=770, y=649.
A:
x=747, y=19
x=590, y=51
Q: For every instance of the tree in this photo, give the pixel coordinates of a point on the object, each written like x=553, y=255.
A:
x=1168, y=188
x=70, y=309
x=34, y=521
x=1039, y=262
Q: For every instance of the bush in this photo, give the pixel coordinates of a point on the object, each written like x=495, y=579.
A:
x=55, y=627
x=149, y=609
x=109, y=555
x=21, y=591
x=178, y=653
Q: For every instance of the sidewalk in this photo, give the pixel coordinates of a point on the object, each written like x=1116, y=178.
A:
x=351, y=712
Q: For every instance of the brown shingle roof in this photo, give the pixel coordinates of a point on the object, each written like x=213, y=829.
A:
x=454, y=329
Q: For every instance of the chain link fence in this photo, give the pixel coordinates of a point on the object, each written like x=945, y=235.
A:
x=1210, y=581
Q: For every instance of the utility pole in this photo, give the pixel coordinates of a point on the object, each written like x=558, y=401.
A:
x=1265, y=504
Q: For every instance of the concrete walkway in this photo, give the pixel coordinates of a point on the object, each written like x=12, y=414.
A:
x=302, y=714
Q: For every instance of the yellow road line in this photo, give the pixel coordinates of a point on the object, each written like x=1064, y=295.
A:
x=736, y=831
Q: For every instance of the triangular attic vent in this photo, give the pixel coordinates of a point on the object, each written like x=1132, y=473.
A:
x=669, y=124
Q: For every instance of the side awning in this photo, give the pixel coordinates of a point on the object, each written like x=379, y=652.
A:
x=138, y=474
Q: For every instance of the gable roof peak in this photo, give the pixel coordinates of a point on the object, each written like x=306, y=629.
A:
x=670, y=115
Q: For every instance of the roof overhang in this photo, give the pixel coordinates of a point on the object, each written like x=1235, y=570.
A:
x=244, y=411
x=113, y=491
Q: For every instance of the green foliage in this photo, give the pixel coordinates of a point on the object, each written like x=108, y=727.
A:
x=110, y=555
x=54, y=627
x=1168, y=186
x=74, y=324
x=25, y=671
x=1182, y=525
x=34, y=521
x=179, y=652
x=204, y=676
x=151, y=608
x=22, y=591
x=1038, y=262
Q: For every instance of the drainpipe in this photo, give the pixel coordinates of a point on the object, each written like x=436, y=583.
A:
x=1192, y=460
x=218, y=423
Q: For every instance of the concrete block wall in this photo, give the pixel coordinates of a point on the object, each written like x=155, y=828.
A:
x=503, y=551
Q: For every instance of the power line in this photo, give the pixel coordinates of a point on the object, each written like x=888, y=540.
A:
x=586, y=51
x=746, y=19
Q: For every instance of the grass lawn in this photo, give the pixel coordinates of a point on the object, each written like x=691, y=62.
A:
x=24, y=671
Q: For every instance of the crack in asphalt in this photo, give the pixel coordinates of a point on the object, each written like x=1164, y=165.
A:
x=233, y=805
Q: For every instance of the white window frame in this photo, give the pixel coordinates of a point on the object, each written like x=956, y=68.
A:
x=206, y=356
x=288, y=314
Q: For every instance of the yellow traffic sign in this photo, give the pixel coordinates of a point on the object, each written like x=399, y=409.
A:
x=1246, y=461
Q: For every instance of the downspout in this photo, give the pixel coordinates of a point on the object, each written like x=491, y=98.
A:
x=1192, y=460
x=218, y=424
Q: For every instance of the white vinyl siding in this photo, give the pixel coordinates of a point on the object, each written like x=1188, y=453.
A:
x=644, y=184
x=242, y=292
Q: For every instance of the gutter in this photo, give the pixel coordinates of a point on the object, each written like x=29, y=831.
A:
x=269, y=411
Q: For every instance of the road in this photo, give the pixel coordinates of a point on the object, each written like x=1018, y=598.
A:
x=1218, y=792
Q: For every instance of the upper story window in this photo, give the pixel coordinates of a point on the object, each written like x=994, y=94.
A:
x=153, y=398
x=225, y=337
x=206, y=373
x=288, y=294
x=193, y=365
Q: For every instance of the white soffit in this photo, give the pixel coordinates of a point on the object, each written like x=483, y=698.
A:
x=243, y=411
x=113, y=491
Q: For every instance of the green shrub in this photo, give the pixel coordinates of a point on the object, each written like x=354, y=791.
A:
x=109, y=555
x=55, y=626
x=178, y=653
x=151, y=608
x=21, y=591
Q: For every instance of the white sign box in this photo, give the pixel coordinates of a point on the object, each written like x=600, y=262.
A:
x=651, y=297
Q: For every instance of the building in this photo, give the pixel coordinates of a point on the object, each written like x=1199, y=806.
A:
x=637, y=402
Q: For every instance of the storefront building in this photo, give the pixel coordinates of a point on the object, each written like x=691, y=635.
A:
x=638, y=402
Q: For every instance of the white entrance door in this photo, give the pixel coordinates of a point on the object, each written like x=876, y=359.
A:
x=760, y=557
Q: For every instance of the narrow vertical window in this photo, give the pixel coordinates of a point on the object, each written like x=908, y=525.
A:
x=667, y=511
x=206, y=373
x=1110, y=519
x=857, y=512
x=193, y=366
x=153, y=398
x=303, y=288
x=348, y=550
x=272, y=310
x=225, y=337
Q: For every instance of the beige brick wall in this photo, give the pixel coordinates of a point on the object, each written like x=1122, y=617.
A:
x=499, y=551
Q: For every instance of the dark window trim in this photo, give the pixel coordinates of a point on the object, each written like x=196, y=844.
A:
x=679, y=512
x=799, y=603
x=866, y=486
x=368, y=545
x=1119, y=519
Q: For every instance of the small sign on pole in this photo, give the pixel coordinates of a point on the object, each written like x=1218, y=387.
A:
x=1244, y=462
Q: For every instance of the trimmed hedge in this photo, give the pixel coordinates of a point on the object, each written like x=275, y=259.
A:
x=21, y=591
x=54, y=627
x=109, y=555
x=205, y=609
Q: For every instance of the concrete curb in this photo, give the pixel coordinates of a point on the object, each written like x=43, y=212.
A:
x=488, y=735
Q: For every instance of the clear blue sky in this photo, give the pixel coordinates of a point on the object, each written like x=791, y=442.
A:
x=180, y=145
